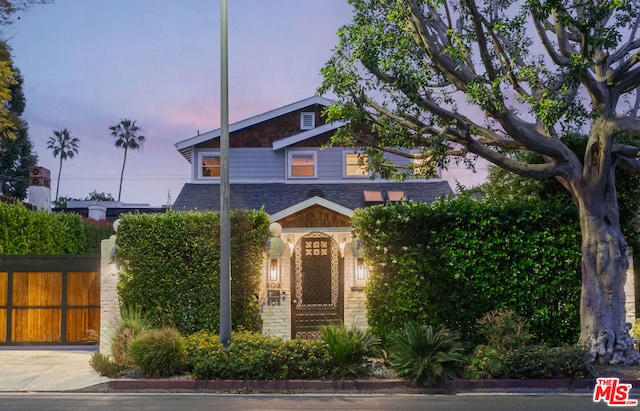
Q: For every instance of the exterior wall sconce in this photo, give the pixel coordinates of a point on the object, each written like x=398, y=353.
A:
x=291, y=245
x=274, y=274
x=113, y=264
x=361, y=270
x=343, y=244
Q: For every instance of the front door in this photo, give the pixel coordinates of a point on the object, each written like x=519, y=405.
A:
x=317, y=285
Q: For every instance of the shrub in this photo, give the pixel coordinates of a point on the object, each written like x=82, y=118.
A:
x=104, y=366
x=158, y=353
x=253, y=356
x=24, y=231
x=541, y=361
x=449, y=262
x=131, y=325
x=350, y=350
x=504, y=329
x=484, y=363
x=95, y=232
x=170, y=267
x=424, y=354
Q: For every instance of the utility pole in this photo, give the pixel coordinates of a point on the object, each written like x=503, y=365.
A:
x=225, y=224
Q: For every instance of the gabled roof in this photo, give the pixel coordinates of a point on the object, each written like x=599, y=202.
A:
x=185, y=145
x=305, y=135
x=276, y=197
x=311, y=202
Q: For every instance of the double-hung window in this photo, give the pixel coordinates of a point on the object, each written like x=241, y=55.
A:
x=302, y=164
x=210, y=165
x=355, y=165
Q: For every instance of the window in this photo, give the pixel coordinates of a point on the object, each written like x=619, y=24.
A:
x=355, y=165
x=396, y=196
x=210, y=165
x=302, y=164
x=307, y=120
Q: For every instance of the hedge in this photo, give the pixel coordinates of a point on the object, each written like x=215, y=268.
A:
x=170, y=267
x=452, y=261
x=24, y=231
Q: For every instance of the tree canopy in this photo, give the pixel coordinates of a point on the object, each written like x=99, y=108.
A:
x=436, y=80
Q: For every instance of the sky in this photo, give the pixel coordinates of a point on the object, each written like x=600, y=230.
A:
x=87, y=64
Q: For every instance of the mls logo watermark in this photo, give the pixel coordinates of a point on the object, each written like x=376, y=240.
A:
x=612, y=392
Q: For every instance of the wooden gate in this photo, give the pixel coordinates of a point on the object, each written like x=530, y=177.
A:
x=317, y=285
x=49, y=300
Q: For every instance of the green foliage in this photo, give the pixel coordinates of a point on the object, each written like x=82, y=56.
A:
x=170, y=267
x=484, y=363
x=454, y=260
x=504, y=329
x=540, y=361
x=130, y=326
x=95, y=232
x=635, y=330
x=104, y=366
x=158, y=353
x=350, y=350
x=24, y=231
x=253, y=356
x=425, y=354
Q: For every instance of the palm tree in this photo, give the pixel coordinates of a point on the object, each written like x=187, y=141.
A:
x=66, y=146
x=127, y=137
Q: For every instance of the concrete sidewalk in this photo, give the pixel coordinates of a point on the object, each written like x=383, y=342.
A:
x=46, y=370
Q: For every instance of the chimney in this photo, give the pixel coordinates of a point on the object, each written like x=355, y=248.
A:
x=40, y=187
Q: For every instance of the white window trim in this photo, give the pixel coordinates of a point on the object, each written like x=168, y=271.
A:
x=201, y=155
x=344, y=166
x=290, y=156
x=311, y=115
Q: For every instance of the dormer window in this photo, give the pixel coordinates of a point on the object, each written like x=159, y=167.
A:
x=307, y=120
x=210, y=165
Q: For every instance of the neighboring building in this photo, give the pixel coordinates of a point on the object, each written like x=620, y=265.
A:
x=313, y=272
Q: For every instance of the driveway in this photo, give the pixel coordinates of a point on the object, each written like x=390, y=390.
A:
x=62, y=369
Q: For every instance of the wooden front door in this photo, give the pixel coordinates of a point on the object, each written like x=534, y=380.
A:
x=317, y=285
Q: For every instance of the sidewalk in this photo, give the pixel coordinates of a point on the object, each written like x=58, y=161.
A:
x=32, y=370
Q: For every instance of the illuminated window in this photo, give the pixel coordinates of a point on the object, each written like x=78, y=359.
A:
x=355, y=165
x=210, y=166
x=302, y=164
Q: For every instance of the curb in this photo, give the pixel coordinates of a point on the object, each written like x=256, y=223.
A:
x=349, y=386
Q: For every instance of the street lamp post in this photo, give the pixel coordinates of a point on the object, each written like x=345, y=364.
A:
x=225, y=224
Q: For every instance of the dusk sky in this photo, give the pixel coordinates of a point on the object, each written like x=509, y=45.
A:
x=88, y=63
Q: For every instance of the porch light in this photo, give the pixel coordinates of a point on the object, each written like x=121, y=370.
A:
x=290, y=246
x=113, y=264
x=273, y=271
x=343, y=244
x=361, y=270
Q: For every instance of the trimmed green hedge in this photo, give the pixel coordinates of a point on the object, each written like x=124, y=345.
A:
x=23, y=232
x=452, y=261
x=170, y=267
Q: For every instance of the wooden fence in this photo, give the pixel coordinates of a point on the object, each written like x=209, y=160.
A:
x=49, y=300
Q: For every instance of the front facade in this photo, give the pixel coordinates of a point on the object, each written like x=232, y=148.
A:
x=313, y=272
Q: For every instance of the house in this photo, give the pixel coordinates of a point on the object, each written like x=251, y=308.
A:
x=313, y=272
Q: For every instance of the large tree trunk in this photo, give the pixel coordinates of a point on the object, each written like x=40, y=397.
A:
x=604, y=329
